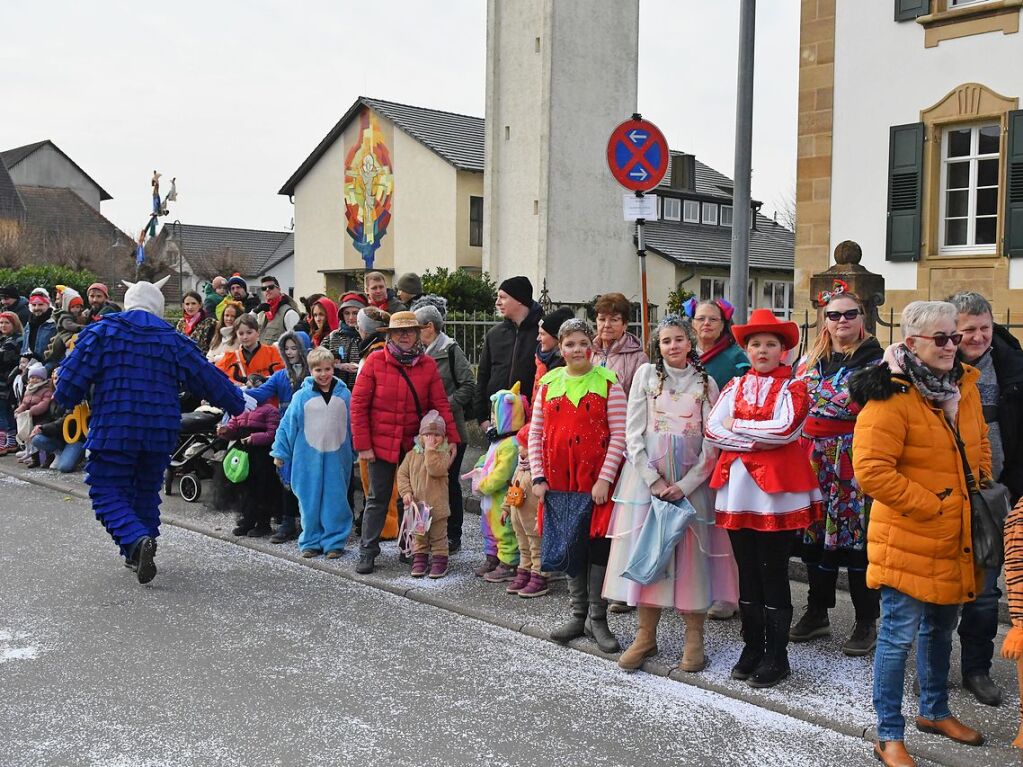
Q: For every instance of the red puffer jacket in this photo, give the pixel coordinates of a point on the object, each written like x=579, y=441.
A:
x=384, y=417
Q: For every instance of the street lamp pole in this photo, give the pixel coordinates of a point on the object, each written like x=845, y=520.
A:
x=741, y=210
x=181, y=247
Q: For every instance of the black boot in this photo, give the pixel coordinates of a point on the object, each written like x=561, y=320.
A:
x=813, y=624
x=578, y=589
x=775, y=664
x=144, y=555
x=752, y=616
x=596, y=621
x=287, y=530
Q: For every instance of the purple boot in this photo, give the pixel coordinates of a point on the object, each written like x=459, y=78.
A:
x=420, y=564
x=536, y=587
x=439, y=566
x=521, y=579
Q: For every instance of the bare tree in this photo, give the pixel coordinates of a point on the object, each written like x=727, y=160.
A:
x=785, y=208
x=221, y=262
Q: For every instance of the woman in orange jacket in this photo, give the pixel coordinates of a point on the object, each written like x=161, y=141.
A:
x=917, y=408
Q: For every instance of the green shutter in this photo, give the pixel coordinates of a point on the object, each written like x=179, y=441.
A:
x=905, y=191
x=907, y=10
x=1014, y=187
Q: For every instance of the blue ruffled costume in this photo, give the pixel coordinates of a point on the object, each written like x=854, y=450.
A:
x=135, y=364
x=316, y=438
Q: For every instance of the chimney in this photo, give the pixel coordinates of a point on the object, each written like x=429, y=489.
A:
x=683, y=172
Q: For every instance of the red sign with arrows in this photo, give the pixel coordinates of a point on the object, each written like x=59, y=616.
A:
x=637, y=155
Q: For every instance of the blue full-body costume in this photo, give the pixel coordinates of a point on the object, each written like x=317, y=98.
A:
x=316, y=437
x=135, y=364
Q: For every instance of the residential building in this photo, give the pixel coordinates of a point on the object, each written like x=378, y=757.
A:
x=195, y=254
x=44, y=164
x=394, y=185
x=911, y=144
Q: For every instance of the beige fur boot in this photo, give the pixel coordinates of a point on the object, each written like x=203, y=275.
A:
x=645, y=643
x=693, y=658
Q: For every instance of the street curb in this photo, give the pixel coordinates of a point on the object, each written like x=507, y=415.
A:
x=433, y=599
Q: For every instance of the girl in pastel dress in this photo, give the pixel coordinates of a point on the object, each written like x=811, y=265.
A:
x=669, y=404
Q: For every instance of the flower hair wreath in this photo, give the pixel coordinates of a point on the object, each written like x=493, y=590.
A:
x=838, y=288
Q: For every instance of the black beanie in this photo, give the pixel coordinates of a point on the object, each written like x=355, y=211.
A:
x=9, y=291
x=552, y=323
x=519, y=288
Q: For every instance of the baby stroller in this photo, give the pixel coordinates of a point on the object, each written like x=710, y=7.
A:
x=196, y=453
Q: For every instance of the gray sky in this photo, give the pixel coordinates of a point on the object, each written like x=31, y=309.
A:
x=230, y=98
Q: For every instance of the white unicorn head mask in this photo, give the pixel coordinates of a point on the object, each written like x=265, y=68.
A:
x=146, y=296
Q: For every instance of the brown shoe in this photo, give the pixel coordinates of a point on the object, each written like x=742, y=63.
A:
x=893, y=753
x=952, y=729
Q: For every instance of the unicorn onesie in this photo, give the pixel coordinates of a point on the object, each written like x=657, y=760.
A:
x=134, y=363
x=493, y=473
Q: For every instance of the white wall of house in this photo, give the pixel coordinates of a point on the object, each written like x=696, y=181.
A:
x=49, y=168
x=285, y=274
x=885, y=76
x=320, y=221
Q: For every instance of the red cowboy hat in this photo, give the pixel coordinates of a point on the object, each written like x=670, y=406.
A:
x=764, y=321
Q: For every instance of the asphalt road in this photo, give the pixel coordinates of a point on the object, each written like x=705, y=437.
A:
x=236, y=657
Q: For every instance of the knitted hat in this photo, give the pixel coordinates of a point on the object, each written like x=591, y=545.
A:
x=552, y=323
x=70, y=297
x=146, y=296
x=519, y=288
x=39, y=295
x=410, y=283
x=236, y=280
x=431, y=299
x=433, y=423
x=353, y=300
x=9, y=291
x=523, y=436
x=37, y=370
x=100, y=287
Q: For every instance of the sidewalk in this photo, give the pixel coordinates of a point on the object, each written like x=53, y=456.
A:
x=826, y=688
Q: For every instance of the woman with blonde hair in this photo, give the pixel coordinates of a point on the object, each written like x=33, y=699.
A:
x=225, y=337
x=839, y=539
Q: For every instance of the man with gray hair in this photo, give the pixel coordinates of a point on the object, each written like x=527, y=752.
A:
x=996, y=353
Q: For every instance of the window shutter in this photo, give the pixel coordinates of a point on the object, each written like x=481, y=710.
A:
x=907, y=10
x=905, y=187
x=1014, y=187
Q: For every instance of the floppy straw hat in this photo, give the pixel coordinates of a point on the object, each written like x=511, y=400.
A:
x=402, y=321
x=764, y=321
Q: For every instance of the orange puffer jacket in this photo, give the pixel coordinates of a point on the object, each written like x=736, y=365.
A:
x=905, y=457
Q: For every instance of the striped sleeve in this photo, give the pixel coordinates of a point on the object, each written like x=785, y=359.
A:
x=715, y=432
x=536, y=435
x=1012, y=647
x=617, y=408
x=789, y=413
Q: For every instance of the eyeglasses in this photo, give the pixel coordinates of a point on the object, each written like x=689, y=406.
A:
x=706, y=320
x=941, y=340
x=849, y=314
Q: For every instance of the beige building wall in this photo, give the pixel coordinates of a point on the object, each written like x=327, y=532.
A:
x=320, y=221
x=467, y=256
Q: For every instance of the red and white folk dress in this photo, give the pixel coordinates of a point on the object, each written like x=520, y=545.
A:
x=763, y=477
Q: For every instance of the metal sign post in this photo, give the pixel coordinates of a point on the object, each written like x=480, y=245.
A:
x=637, y=155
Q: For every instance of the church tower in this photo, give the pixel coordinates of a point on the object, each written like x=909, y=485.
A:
x=561, y=74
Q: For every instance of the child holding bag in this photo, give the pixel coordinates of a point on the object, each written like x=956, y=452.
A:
x=423, y=481
x=766, y=489
x=669, y=404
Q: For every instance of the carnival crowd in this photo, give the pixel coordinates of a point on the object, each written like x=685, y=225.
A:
x=684, y=479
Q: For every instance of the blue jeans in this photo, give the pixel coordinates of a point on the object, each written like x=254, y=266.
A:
x=69, y=455
x=904, y=618
x=978, y=626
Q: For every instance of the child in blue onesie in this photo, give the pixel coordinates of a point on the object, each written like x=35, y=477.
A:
x=315, y=436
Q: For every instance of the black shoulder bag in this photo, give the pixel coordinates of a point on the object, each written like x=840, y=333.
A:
x=989, y=506
x=411, y=388
x=468, y=410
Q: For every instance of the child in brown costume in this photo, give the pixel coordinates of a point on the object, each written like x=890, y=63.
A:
x=423, y=479
x=521, y=505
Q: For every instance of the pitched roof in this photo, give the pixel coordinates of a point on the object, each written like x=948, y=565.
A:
x=708, y=181
x=456, y=138
x=11, y=205
x=12, y=157
x=771, y=245
x=251, y=250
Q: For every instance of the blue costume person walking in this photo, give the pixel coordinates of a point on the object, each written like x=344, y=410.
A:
x=134, y=364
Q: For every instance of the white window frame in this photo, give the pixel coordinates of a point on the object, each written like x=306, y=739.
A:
x=963, y=3
x=713, y=294
x=687, y=208
x=971, y=207
x=721, y=217
x=712, y=208
x=787, y=295
x=676, y=214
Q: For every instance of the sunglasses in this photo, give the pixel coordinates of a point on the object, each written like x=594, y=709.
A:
x=267, y=288
x=941, y=340
x=849, y=314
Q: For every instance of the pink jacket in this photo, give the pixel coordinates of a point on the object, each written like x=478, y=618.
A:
x=259, y=424
x=623, y=357
x=37, y=402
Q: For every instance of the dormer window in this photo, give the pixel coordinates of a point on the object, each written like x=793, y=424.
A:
x=671, y=208
x=710, y=213
x=691, y=211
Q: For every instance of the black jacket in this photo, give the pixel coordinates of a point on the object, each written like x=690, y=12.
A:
x=21, y=309
x=1008, y=359
x=509, y=355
